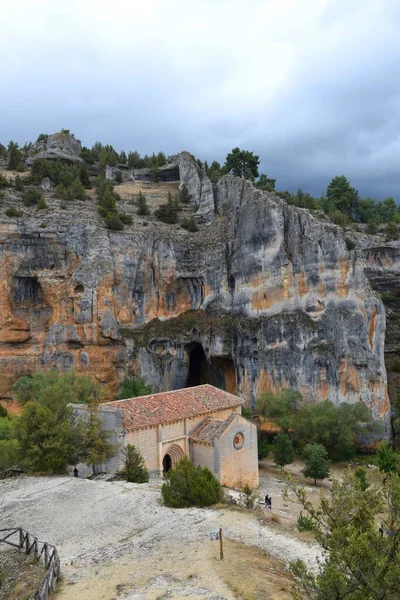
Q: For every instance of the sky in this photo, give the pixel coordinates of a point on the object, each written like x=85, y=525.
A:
x=311, y=86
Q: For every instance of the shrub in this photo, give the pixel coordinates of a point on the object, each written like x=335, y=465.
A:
x=3, y=411
x=126, y=219
x=361, y=475
x=134, y=387
x=42, y=203
x=350, y=244
x=32, y=196
x=141, y=202
x=118, y=177
x=339, y=218
x=264, y=448
x=189, y=224
x=372, y=228
x=386, y=458
x=305, y=523
x=114, y=223
x=19, y=183
x=183, y=195
x=188, y=485
x=247, y=413
x=3, y=180
x=13, y=212
x=391, y=232
x=134, y=469
x=167, y=214
x=249, y=496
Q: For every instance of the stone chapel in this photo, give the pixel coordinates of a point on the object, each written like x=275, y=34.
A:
x=202, y=422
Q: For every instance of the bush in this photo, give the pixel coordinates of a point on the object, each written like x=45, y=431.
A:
x=361, y=475
x=372, y=228
x=134, y=469
x=391, y=232
x=386, y=458
x=339, y=218
x=42, y=203
x=141, y=202
x=126, y=219
x=32, y=196
x=188, y=485
x=134, y=387
x=3, y=181
x=350, y=244
x=19, y=183
x=189, y=224
x=305, y=523
x=249, y=496
x=247, y=413
x=183, y=195
x=118, y=177
x=13, y=212
x=167, y=214
x=3, y=411
x=114, y=223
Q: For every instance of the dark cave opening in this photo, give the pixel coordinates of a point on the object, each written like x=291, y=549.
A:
x=199, y=370
x=220, y=371
x=27, y=289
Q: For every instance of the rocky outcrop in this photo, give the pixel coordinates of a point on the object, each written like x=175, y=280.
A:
x=265, y=296
x=58, y=146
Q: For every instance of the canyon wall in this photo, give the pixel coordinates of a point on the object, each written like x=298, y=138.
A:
x=263, y=296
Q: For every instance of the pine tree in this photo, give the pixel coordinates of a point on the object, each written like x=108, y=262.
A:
x=142, y=207
x=14, y=156
x=387, y=459
x=188, y=485
x=134, y=467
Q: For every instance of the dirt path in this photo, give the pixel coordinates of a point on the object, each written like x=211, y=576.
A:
x=117, y=540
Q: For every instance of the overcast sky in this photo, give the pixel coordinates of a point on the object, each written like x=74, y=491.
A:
x=312, y=86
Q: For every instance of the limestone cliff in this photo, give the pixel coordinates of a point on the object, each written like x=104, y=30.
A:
x=264, y=295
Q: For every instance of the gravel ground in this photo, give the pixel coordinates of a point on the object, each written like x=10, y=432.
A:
x=117, y=538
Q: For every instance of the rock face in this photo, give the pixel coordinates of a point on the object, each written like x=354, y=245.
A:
x=262, y=297
x=58, y=146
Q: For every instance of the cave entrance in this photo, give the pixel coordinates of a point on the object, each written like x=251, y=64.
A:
x=220, y=371
x=199, y=370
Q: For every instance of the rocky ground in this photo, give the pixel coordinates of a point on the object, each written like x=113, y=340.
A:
x=20, y=575
x=116, y=540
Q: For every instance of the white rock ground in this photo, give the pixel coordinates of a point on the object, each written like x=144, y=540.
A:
x=116, y=539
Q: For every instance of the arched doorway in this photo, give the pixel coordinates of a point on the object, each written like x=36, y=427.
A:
x=166, y=463
x=171, y=458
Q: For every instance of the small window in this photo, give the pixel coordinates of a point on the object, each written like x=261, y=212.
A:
x=238, y=441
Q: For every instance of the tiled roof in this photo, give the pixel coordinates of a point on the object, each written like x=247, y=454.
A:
x=209, y=429
x=166, y=407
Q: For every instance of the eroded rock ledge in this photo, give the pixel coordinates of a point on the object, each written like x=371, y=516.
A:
x=264, y=295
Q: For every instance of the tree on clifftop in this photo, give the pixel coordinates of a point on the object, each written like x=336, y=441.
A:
x=242, y=163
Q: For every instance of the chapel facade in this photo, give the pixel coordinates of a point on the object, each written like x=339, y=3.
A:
x=203, y=422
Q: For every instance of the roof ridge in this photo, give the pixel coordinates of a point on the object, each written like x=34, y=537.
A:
x=193, y=387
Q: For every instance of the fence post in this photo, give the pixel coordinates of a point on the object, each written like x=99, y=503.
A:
x=21, y=537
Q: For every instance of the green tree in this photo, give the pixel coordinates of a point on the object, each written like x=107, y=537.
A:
x=118, y=176
x=335, y=427
x=265, y=183
x=134, y=469
x=93, y=444
x=183, y=194
x=9, y=455
x=249, y=496
x=187, y=485
x=316, y=461
x=280, y=408
x=123, y=158
x=135, y=161
x=142, y=206
x=358, y=562
x=361, y=475
x=32, y=196
x=388, y=210
x=132, y=387
x=282, y=449
x=168, y=213
x=341, y=196
x=14, y=156
x=52, y=388
x=391, y=232
x=264, y=448
x=242, y=163
x=215, y=171
x=386, y=458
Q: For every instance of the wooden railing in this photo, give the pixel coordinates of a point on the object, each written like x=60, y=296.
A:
x=23, y=540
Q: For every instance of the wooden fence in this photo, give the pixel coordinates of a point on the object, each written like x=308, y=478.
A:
x=23, y=540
